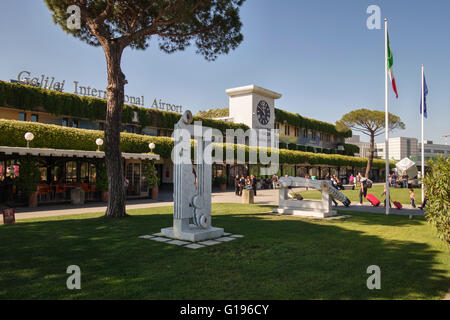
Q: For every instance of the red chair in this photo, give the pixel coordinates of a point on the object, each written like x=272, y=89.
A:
x=60, y=188
x=43, y=190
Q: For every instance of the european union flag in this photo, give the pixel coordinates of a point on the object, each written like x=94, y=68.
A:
x=425, y=90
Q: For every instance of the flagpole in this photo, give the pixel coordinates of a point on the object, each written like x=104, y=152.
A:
x=386, y=114
x=423, y=147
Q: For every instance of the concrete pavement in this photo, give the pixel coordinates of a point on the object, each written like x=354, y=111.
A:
x=264, y=197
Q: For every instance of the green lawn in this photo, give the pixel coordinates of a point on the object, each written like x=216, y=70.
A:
x=281, y=257
x=397, y=194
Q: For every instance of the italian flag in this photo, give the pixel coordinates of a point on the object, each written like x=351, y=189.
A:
x=390, y=67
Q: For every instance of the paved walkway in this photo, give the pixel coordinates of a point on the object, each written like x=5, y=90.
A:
x=264, y=197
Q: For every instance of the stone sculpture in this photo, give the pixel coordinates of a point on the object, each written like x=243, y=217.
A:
x=192, y=183
x=321, y=209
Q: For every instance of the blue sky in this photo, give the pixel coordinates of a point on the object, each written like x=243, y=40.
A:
x=318, y=54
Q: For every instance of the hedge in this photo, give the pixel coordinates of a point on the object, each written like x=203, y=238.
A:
x=57, y=137
x=297, y=120
x=25, y=97
x=214, y=113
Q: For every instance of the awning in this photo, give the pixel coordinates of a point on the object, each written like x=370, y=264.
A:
x=22, y=151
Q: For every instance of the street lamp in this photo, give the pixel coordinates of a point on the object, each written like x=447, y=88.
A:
x=99, y=142
x=151, y=146
x=29, y=137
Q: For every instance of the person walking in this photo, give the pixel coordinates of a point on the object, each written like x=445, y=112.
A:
x=363, y=190
x=334, y=183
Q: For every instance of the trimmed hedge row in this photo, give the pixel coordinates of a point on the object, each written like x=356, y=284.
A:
x=214, y=113
x=25, y=97
x=297, y=120
x=52, y=136
x=291, y=118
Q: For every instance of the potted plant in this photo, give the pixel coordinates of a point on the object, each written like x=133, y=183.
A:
x=222, y=182
x=101, y=181
x=149, y=174
x=29, y=177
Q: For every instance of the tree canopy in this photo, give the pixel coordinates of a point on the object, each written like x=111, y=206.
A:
x=369, y=121
x=212, y=25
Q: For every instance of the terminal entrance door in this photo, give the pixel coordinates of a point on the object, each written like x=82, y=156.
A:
x=133, y=173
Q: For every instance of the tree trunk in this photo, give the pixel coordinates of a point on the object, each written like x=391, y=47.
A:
x=372, y=150
x=113, y=154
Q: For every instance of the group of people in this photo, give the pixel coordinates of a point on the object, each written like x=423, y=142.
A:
x=241, y=183
x=393, y=179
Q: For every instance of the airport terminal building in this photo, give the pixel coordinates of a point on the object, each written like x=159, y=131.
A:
x=25, y=104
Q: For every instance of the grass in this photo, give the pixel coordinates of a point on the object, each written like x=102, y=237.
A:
x=281, y=257
x=397, y=194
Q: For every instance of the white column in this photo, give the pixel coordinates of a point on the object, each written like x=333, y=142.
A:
x=386, y=151
x=423, y=147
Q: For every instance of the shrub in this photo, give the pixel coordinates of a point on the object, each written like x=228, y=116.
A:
x=437, y=192
x=149, y=174
x=29, y=176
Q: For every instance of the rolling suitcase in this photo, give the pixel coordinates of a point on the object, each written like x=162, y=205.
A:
x=373, y=200
x=398, y=205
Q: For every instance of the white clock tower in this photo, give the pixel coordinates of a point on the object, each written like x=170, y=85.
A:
x=253, y=106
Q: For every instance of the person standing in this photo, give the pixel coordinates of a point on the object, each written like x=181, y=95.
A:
x=363, y=190
x=412, y=197
x=405, y=180
x=236, y=184
x=241, y=185
x=352, y=179
x=253, y=182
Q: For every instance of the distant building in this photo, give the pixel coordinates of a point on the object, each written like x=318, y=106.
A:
x=433, y=151
x=400, y=148
x=364, y=147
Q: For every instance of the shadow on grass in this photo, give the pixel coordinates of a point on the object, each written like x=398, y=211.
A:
x=279, y=258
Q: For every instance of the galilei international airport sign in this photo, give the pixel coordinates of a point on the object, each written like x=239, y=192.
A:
x=49, y=83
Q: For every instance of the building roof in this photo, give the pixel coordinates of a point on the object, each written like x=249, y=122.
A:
x=43, y=152
x=253, y=89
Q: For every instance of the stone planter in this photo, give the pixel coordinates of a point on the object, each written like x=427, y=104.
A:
x=33, y=200
x=77, y=196
x=248, y=196
x=155, y=193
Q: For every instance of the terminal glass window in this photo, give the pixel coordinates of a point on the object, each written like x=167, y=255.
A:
x=22, y=116
x=71, y=171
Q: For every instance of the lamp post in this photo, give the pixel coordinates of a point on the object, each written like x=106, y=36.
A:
x=151, y=146
x=29, y=137
x=99, y=142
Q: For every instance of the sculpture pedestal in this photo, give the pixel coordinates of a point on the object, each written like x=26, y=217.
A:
x=194, y=233
x=306, y=213
x=248, y=196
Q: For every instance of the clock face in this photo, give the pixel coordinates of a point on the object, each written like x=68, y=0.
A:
x=263, y=112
